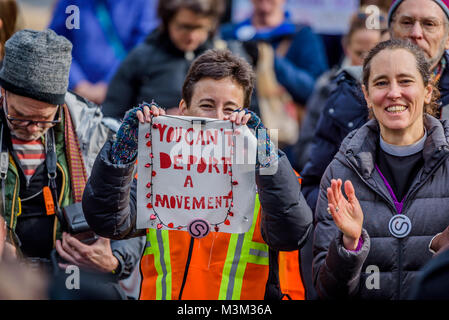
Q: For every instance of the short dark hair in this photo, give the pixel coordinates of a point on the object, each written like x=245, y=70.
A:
x=421, y=64
x=167, y=9
x=219, y=64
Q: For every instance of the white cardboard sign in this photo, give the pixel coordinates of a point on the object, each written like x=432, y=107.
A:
x=195, y=168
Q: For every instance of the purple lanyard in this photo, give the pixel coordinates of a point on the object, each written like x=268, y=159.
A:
x=397, y=204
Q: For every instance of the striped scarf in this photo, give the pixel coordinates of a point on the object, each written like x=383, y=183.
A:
x=77, y=170
x=438, y=71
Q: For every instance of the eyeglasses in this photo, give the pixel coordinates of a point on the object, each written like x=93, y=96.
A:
x=189, y=28
x=26, y=122
x=429, y=26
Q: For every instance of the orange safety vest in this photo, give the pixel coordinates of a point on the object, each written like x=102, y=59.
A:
x=223, y=266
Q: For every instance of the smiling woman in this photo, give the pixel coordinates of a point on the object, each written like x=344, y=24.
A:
x=398, y=89
x=397, y=163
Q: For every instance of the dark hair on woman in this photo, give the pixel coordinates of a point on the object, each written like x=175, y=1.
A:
x=421, y=64
x=8, y=15
x=167, y=9
x=219, y=64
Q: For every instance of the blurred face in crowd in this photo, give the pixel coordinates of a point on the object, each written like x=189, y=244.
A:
x=424, y=23
x=189, y=30
x=397, y=94
x=24, y=108
x=265, y=11
x=214, y=99
x=267, y=7
x=360, y=43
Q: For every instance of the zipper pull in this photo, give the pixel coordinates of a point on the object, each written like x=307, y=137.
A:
x=4, y=163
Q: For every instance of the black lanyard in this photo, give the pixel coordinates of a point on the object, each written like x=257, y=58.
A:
x=4, y=163
x=50, y=161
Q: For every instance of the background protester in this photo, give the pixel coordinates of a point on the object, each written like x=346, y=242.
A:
x=289, y=58
x=356, y=44
x=394, y=170
x=102, y=33
x=299, y=58
x=156, y=69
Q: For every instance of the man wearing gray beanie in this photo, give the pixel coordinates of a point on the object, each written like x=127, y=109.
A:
x=49, y=139
x=424, y=22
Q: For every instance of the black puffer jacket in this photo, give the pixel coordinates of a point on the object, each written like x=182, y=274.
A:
x=339, y=273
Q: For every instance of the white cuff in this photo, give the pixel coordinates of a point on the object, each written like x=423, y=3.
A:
x=430, y=243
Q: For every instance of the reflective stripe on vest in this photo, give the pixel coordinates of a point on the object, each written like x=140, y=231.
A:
x=241, y=250
x=161, y=262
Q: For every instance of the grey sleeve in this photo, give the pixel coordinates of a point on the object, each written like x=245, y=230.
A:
x=286, y=217
x=128, y=252
x=336, y=271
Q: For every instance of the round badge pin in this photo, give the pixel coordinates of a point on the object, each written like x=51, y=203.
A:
x=400, y=226
x=198, y=228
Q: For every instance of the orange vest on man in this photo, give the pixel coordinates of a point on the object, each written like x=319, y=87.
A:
x=222, y=266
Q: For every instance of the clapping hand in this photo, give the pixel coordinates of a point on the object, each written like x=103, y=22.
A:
x=347, y=214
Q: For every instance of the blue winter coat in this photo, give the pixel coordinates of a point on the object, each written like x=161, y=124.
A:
x=304, y=62
x=94, y=58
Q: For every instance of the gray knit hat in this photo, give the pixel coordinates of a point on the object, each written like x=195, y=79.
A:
x=37, y=65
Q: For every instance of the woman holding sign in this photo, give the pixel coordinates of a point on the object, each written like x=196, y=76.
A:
x=371, y=242
x=175, y=264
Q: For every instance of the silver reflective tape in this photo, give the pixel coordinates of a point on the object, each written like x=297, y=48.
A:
x=258, y=253
x=163, y=266
x=235, y=264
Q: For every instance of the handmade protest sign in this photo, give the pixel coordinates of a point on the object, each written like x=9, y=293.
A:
x=196, y=175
